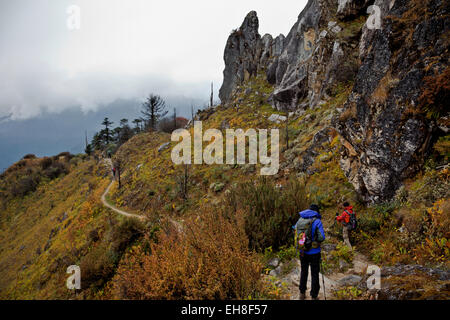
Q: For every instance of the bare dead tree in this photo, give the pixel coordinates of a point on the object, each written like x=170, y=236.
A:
x=174, y=118
x=118, y=164
x=183, y=182
x=211, y=103
x=287, y=130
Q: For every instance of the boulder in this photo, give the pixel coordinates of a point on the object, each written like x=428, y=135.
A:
x=350, y=281
x=277, y=118
x=273, y=262
x=164, y=146
x=277, y=271
x=328, y=247
x=343, y=265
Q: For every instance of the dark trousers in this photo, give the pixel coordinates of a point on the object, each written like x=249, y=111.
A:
x=312, y=260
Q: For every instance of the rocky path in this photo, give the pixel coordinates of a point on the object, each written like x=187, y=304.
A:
x=294, y=280
x=331, y=282
x=428, y=283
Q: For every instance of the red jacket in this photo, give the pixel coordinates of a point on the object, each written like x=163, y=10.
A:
x=345, y=216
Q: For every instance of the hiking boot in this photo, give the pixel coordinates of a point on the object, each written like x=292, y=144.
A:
x=316, y=298
x=302, y=296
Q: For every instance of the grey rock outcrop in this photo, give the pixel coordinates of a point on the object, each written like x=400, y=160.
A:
x=246, y=53
x=385, y=142
x=242, y=55
x=301, y=66
x=351, y=8
x=289, y=71
x=313, y=60
x=385, y=135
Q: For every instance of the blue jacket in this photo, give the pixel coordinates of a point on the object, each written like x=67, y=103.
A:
x=310, y=214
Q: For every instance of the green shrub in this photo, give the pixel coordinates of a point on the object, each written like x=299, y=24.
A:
x=369, y=222
x=24, y=185
x=442, y=149
x=269, y=211
x=385, y=209
x=377, y=255
x=125, y=234
x=268, y=254
x=342, y=252
x=55, y=170
x=97, y=267
x=287, y=253
x=46, y=162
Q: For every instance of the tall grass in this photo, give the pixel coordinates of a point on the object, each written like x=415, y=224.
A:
x=269, y=210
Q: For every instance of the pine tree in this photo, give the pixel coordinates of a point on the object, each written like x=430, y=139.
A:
x=88, y=149
x=97, y=141
x=137, y=123
x=124, y=132
x=153, y=109
x=107, y=132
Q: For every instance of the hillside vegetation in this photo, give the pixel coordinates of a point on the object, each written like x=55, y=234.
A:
x=229, y=216
x=213, y=231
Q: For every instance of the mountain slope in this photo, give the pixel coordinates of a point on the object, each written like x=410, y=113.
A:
x=364, y=122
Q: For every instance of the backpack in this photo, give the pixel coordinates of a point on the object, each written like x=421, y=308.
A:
x=303, y=234
x=353, y=223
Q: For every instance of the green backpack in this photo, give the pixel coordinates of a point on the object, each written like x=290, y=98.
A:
x=303, y=234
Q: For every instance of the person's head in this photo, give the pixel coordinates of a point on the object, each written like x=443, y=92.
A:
x=314, y=207
x=346, y=204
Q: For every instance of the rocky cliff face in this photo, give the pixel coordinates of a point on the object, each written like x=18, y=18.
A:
x=392, y=114
x=385, y=123
x=303, y=66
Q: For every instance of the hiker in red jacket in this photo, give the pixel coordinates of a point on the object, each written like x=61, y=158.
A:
x=345, y=220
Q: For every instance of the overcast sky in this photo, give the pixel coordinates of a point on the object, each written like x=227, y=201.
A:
x=123, y=49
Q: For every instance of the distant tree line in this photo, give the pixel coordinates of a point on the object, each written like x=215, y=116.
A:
x=154, y=118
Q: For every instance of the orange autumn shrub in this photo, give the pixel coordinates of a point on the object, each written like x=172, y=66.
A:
x=208, y=259
x=436, y=247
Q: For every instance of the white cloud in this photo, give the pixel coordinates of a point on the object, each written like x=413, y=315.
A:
x=124, y=49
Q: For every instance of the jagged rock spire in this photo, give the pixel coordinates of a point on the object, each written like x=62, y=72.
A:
x=241, y=55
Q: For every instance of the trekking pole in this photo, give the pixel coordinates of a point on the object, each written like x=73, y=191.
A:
x=323, y=277
x=298, y=256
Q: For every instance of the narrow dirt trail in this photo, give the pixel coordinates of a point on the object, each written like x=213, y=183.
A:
x=124, y=213
x=108, y=163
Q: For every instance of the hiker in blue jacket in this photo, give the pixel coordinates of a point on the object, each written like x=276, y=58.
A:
x=311, y=257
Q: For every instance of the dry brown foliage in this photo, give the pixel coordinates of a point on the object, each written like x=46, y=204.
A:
x=209, y=259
